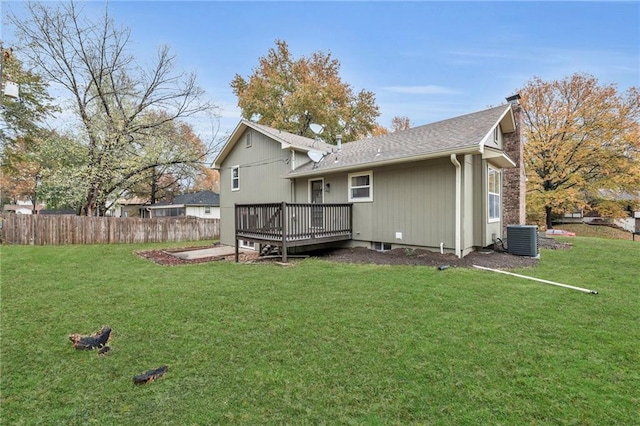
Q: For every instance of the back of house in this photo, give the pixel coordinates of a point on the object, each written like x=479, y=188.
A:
x=453, y=185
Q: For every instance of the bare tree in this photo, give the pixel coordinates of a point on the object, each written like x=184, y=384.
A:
x=113, y=97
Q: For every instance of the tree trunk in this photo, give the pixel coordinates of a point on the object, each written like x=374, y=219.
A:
x=154, y=186
x=548, y=212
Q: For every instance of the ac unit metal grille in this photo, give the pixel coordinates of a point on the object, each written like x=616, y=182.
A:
x=522, y=240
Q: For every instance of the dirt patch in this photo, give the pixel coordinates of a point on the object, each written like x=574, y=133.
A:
x=498, y=259
x=418, y=257
x=167, y=257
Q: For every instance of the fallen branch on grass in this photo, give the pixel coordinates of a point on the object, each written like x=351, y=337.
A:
x=150, y=375
x=96, y=340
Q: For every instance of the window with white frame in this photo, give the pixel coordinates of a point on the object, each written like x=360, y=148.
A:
x=361, y=186
x=235, y=178
x=493, y=188
x=247, y=244
x=248, y=140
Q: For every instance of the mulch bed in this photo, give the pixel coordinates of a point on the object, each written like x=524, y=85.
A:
x=400, y=256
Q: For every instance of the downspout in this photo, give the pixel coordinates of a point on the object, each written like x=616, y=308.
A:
x=458, y=215
x=292, y=196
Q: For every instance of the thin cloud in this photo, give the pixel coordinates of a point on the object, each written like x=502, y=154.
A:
x=423, y=90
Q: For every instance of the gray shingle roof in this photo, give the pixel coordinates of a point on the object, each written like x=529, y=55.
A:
x=201, y=198
x=458, y=133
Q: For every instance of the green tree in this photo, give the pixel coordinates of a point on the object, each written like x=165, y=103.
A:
x=44, y=169
x=291, y=94
x=113, y=96
x=22, y=118
x=173, y=158
x=581, y=137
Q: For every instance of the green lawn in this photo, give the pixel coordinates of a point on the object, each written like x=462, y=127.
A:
x=318, y=342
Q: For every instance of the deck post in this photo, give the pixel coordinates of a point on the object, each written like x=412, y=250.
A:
x=283, y=218
x=235, y=221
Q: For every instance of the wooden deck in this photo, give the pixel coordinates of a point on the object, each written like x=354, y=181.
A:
x=292, y=224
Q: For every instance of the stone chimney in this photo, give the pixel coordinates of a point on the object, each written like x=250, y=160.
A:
x=514, y=182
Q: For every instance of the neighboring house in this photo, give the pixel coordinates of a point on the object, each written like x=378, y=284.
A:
x=451, y=186
x=130, y=207
x=23, y=207
x=630, y=223
x=203, y=204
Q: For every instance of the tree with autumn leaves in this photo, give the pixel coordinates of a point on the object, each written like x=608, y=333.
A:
x=290, y=94
x=581, y=138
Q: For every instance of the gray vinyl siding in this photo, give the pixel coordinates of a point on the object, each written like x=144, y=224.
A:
x=468, y=204
x=479, y=202
x=416, y=199
x=262, y=168
x=491, y=142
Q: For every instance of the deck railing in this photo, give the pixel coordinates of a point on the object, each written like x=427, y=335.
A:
x=292, y=224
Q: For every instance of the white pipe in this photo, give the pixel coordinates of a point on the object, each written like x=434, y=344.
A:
x=585, y=290
x=442, y=248
x=456, y=163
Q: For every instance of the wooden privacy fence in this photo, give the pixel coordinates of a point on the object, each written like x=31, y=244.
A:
x=57, y=230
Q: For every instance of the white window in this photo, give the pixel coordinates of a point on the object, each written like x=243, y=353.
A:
x=380, y=246
x=496, y=134
x=248, y=140
x=235, y=178
x=493, y=188
x=361, y=186
x=207, y=210
x=247, y=244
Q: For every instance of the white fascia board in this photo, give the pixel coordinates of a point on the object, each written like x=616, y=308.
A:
x=498, y=157
x=369, y=165
x=228, y=146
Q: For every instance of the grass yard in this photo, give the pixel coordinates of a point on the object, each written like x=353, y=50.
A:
x=595, y=231
x=320, y=343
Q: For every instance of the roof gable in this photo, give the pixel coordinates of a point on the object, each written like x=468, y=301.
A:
x=287, y=140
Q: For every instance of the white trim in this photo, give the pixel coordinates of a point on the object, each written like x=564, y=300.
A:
x=498, y=173
x=237, y=178
x=370, y=186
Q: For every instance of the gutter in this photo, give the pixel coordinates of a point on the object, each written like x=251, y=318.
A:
x=473, y=149
x=458, y=214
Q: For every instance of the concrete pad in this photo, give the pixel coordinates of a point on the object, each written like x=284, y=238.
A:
x=217, y=251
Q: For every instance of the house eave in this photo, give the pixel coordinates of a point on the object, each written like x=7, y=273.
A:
x=165, y=206
x=393, y=161
x=498, y=157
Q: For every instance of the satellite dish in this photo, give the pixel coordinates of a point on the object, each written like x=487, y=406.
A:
x=315, y=156
x=316, y=128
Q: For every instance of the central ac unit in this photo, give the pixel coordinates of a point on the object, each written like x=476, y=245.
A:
x=522, y=240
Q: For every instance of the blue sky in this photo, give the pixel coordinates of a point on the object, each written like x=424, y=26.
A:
x=424, y=60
